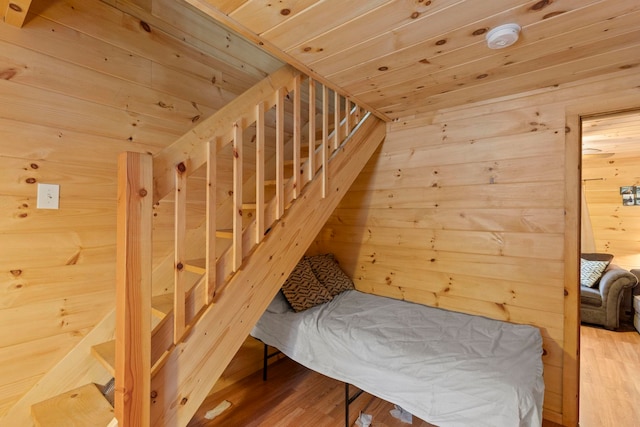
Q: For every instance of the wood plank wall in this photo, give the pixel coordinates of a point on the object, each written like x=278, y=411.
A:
x=616, y=228
x=80, y=83
x=464, y=209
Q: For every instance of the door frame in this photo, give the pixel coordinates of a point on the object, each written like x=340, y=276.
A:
x=574, y=112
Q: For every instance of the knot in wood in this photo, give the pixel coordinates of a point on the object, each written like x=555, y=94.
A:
x=31, y=180
x=184, y=401
x=154, y=394
x=15, y=7
x=143, y=192
x=181, y=167
x=179, y=266
x=285, y=12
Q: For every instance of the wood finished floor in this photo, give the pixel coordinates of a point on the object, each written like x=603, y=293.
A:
x=296, y=396
x=609, y=377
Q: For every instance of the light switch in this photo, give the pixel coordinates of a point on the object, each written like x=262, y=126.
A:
x=48, y=196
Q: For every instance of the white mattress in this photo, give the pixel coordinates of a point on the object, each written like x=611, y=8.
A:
x=449, y=369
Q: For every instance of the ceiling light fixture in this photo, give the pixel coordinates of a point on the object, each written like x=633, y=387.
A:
x=503, y=36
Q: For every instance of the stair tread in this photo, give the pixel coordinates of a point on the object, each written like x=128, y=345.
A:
x=161, y=305
x=106, y=354
x=84, y=406
x=224, y=234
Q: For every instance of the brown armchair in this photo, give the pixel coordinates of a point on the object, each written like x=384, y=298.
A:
x=600, y=304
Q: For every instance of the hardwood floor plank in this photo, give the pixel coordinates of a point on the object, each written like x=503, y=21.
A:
x=609, y=381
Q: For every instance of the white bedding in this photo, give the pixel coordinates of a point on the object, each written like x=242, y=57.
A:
x=449, y=369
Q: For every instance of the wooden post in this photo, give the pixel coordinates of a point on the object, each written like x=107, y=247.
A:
x=237, y=194
x=325, y=140
x=260, y=159
x=297, y=127
x=133, y=290
x=347, y=116
x=211, y=222
x=336, y=121
x=280, y=153
x=180, y=233
x=312, y=129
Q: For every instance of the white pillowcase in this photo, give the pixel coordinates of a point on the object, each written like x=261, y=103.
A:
x=590, y=271
x=279, y=304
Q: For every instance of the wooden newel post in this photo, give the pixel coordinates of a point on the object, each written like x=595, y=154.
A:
x=133, y=290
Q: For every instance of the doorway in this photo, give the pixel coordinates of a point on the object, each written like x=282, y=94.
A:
x=610, y=147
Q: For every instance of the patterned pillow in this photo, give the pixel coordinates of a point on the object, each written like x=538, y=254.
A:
x=590, y=271
x=303, y=290
x=329, y=273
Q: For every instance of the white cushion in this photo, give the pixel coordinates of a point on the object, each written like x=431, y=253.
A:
x=590, y=271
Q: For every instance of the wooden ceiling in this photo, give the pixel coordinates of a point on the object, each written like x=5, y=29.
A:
x=406, y=57
x=616, y=134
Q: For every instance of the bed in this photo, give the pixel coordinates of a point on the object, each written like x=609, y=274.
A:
x=449, y=369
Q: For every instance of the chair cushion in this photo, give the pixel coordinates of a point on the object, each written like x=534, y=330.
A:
x=590, y=296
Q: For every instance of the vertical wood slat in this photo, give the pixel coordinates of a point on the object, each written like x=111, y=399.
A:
x=325, y=139
x=312, y=129
x=180, y=233
x=347, y=117
x=280, y=153
x=336, y=121
x=297, y=129
x=211, y=279
x=260, y=159
x=133, y=290
x=237, y=194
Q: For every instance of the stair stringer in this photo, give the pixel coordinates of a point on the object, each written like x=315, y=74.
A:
x=182, y=383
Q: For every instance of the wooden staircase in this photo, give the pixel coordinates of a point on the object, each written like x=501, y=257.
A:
x=247, y=244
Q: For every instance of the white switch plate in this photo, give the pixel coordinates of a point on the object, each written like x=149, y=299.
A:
x=48, y=196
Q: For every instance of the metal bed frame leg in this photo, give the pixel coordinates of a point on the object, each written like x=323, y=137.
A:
x=347, y=401
x=265, y=360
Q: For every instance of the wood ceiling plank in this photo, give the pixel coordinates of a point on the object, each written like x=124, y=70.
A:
x=569, y=46
x=382, y=20
x=324, y=16
x=226, y=6
x=262, y=15
x=600, y=64
x=462, y=47
x=392, y=40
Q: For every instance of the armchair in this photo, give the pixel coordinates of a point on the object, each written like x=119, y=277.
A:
x=600, y=304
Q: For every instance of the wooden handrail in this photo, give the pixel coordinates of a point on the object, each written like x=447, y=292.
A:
x=144, y=181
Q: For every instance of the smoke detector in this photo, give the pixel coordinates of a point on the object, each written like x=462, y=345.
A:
x=503, y=36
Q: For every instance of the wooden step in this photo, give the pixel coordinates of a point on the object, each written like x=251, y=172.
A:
x=84, y=406
x=105, y=353
x=161, y=305
x=197, y=266
x=224, y=234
